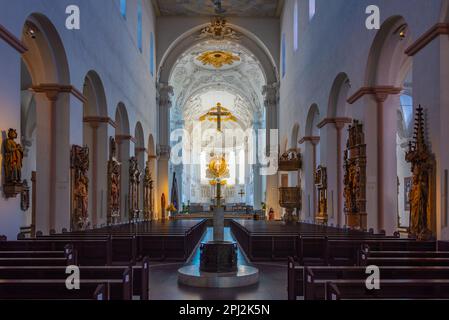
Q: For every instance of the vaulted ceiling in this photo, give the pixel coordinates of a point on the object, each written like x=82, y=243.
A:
x=241, y=8
x=199, y=87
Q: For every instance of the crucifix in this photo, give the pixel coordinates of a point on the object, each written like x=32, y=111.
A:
x=218, y=114
x=242, y=193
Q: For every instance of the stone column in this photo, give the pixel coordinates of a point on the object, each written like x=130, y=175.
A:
x=165, y=92
x=271, y=102
x=339, y=124
x=313, y=142
x=386, y=118
x=53, y=134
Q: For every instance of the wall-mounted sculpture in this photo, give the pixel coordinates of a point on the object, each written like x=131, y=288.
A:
x=134, y=183
x=148, y=193
x=321, y=184
x=114, y=178
x=355, y=177
x=79, y=165
x=12, y=162
x=422, y=163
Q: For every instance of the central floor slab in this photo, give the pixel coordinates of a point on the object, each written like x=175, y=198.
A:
x=191, y=275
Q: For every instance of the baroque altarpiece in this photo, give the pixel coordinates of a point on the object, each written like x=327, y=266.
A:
x=355, y=177
x=79, y=165
x=114, y=178
x=422, y=191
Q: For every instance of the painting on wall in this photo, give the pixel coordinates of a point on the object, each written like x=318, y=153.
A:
x=407, y=188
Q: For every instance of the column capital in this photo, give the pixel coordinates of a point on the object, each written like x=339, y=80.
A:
x=314, y=140
x=163, y=151
x=338, y=122
x=52, y=90
x=94, y=120
x=124, y=137
x=139, y=150
x=164, y=94
x=380, y=93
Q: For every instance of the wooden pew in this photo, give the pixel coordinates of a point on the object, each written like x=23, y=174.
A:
x=390, y=289
x=90, y=252
x=32, y=254
x=315, y=278
x=117, y=288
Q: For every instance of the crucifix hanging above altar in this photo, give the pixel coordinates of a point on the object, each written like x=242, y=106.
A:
x=218, y=114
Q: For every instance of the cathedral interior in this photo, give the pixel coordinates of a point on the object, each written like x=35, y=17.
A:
x=274, y=149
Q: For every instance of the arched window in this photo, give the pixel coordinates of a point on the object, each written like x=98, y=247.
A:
x=295, y=26
x=139, y=25
x=407, y=109
x=123, y=8
x=312, y=9
x=152, y=54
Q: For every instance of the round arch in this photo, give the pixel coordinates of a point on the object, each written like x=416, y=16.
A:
x=45, y=62
x=387, y=67
x=190, y=38
x=123, y=139
x=95, y=137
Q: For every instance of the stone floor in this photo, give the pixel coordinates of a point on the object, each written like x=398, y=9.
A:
x=164, y=281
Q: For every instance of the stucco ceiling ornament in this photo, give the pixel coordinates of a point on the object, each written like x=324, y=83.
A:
x=219, y=30
x=218, y=58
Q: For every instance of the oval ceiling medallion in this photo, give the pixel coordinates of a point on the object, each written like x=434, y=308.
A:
x=218, y=59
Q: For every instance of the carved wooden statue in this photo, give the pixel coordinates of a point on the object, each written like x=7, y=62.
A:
x=321, y=184
x=422, y=162
x=13, y=157
x=148, y=193
x=114, y=180
x=134, y=183
x=355, y=177
x=80, y=187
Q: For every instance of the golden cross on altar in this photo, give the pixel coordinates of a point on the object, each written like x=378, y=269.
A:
x=219, y=114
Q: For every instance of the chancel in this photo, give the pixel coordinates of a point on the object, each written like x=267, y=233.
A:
x=224, y=150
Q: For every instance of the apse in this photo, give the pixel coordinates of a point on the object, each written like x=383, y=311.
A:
x=209, y=73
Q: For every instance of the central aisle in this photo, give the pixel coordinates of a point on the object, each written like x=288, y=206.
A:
x=272, y=284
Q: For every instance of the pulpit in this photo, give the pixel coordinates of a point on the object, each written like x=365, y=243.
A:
x=290, y=199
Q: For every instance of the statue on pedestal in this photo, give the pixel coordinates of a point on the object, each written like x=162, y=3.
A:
x=13, y=157
x=420, y=193
x=148, y=193
x=134, y=182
